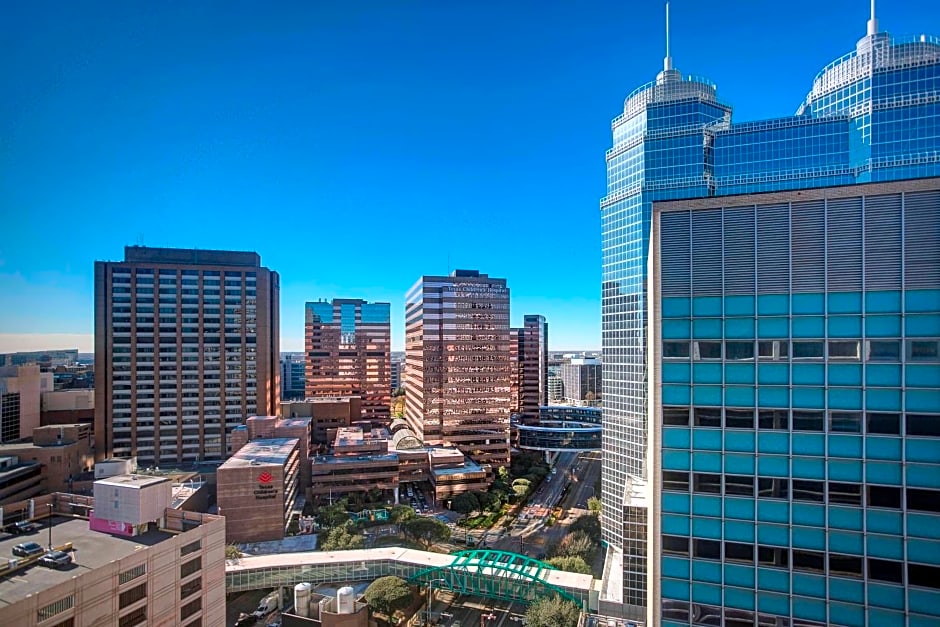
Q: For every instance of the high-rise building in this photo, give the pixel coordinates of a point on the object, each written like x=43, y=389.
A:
x=457, y=382
x=529, y=353
x=186, y=347
x=791, y=320
x=581, y=378
x=348, y=346
x=293, y=377
x=398, y=366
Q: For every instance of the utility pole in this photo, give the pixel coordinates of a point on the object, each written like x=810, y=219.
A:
x=50, y=526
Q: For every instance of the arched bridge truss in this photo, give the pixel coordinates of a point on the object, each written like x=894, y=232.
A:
x=493, y=574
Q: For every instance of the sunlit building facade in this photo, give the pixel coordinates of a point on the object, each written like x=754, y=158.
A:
x=790, y=358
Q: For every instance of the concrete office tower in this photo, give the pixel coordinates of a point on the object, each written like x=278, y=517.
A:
x=348, y=344
x=529, y=353
x=794, y=331
x=581, y=377
x=186, y=347
x=20, y=394
x=458, y=364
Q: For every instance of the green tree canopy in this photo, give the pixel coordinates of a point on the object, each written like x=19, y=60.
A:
x=552, y=612
x=577, y=544
x=342, y=538
x=573, y=564
x=594, y=505
x=465, y=503
x=401, y=513
x=388, y=594
x=588, y=524
x=426, y=530
x=334, y=515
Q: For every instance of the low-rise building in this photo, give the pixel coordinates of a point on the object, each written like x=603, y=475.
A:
x=169, y=570
x=19, y=479
x=20, y=390
x=64, y=452
x=63, y=407
x=257, y=489
x=326, y=414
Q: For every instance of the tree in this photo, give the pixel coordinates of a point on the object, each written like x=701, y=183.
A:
x=552, y=612
x=388, y=594
x=232, y=552
x=342, y=538
x=572, y=564
x=333, y=515
x=426, y=530
x=401, y=513
x=465, y=503
x=576, y=544
x=594, y=505
x=588, y=524
x=521, y=486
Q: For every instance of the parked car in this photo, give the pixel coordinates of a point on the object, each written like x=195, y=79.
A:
x=55, y=559
x=24, y=527
x=27, y=549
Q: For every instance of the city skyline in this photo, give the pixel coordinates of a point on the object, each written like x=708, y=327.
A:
x=219, y=126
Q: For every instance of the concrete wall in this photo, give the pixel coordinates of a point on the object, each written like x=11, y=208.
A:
x=250, y=517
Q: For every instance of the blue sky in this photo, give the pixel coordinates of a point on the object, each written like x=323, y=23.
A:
x=356, y=146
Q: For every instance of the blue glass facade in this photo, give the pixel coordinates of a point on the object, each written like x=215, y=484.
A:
x=789, y=331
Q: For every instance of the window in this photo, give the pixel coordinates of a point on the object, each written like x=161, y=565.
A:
x=136, y=617
x=706, y=549
x=923, y=350
x=675, y=350
x=885, y=570
x=738, y=552
x=676, y=545
x=739, y=418
x=736, y=485
x=707, y=416
x=191, y=608
x=707, y=483
x=190, y=567
x=923, y=500
x=850, y=565
x=773, y=556
x=773, y=349
x=131, y=596
x=192, y=547
x=773, y=487
x=845, y=422
x=675, y=480
x=923, y=425
x=675, y=416
x=884, y=496
x=884, y=350
x=190, y=588
x=56, y=607
x=844, y=349
x=707, y=350
x=806, y=490
x=923, y=576
x=845, y=493
x=773, y=419
x=804, y=420
x=883, y=423
x=808, y=350
x=812, y=561
x=739, y=351
x=132, y=573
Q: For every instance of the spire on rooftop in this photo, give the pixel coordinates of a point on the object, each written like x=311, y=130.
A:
x=667, y=61
x=872, y=21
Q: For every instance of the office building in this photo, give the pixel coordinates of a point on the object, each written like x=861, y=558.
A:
x=348, y=346
x=581, y=380
x=19, y=479
x=140, y=566
x=459, y=367
x=293, y=377
x=778, y=348
x=44, y=359
x=326, y=414
x=529, y=355
x=64, y=453
x=64, y=407
x=186, y=348
x=20, y=400
x=398, y=367
x=257, y=489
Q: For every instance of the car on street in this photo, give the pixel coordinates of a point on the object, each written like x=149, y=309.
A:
x=24, y=527
x=27, y=549
x=55, y=559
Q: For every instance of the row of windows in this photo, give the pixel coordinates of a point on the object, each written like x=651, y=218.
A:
x=806, y=490
x=803, y=560
x=873, y=423
x=842, y=349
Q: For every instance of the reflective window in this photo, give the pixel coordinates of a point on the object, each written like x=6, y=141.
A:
x=884, y=350
x=673, y=350
x=883, y=423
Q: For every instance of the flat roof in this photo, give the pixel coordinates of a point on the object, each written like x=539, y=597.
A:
x=132, y=481
x=351, y=459
x=92, y=549
x=270, y=451
x=468, y=466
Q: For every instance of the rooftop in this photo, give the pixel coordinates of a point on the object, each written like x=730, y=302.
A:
x=133, y=481
x=271, y=451
x=468, y=466
x=194, y=256
x=92, y=549
x=353, y=459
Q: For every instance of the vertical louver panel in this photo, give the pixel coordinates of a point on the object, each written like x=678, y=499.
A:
x=808, y=246
x=773, y=249
x=739, y=250
x=922, y=240
x=706, y=252
x=844, y=242
x=883, y=242
x=675, y=253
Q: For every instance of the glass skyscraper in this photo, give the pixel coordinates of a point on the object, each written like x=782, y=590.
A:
x=771, y=309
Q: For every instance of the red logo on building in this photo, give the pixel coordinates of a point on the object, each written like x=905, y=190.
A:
x=265, y=477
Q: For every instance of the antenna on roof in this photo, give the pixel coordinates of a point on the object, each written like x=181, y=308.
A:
x=667, y=62
x=873, y=21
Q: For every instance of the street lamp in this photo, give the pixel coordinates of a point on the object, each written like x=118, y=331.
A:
x=430, y=588
x=50, y=526
x=486, y=617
